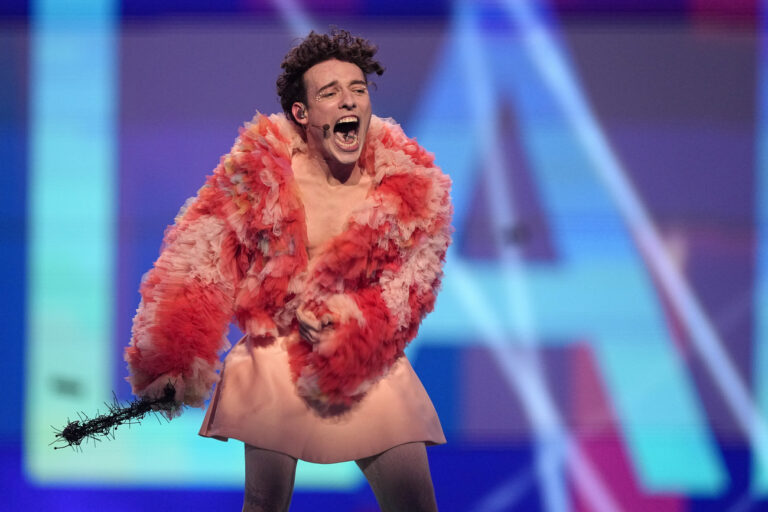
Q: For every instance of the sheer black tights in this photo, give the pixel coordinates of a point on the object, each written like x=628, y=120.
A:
x=399, y=478
x=268, y=480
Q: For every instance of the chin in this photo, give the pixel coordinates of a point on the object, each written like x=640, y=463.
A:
x=343, y=157
x=347, y=158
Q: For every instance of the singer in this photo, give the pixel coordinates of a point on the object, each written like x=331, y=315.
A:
x=322, y=234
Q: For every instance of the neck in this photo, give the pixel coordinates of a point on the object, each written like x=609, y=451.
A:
x=335, y=172
x=342, y=173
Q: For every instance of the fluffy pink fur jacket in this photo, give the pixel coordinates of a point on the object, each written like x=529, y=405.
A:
x=238, y=250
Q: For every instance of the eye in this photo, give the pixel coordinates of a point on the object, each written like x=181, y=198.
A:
x=328, y=94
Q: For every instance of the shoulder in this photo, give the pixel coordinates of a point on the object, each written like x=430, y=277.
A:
x=273, y=133
x=386, y=135
x=263, y=135
x=407, y=178
x=258, y=161
x=400, y=161
x=261, y=154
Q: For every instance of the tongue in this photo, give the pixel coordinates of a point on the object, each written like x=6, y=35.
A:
x=347, y=137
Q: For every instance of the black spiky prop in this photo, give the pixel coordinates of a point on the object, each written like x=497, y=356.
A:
x=104, y=425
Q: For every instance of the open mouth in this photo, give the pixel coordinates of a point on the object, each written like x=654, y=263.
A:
x=345, y=132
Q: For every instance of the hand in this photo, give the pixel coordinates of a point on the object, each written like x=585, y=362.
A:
x=157, y=390
x=309, y=334
x=310, y=327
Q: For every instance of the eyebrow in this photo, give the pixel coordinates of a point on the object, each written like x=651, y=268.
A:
x=336, y=82
x=331, y=84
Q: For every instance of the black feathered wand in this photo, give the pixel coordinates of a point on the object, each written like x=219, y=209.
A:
x=104, y=425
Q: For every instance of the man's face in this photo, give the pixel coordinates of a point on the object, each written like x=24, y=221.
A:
x=337, y=97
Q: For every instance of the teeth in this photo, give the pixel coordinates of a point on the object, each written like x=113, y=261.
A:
x=347, y=119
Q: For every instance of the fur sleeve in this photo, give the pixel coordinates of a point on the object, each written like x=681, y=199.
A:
x=378, y=283
x=187, y=300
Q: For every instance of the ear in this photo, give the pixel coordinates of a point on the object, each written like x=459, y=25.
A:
x=299, y=111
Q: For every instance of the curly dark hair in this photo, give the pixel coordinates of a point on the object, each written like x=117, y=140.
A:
x=316, y=48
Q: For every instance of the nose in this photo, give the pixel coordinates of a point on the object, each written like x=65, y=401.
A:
x=347, y=100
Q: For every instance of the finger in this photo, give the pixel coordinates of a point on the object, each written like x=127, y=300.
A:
x=308, y=318
x=308, y=327
x=307, y=335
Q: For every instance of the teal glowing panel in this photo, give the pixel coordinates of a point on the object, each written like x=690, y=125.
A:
x=71, y=224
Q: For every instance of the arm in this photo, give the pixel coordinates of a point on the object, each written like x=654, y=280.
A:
x=187, y=302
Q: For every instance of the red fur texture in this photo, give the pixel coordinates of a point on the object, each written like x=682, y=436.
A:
x=239, y=251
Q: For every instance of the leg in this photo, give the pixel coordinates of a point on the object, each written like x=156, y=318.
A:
x=400, y=478
x=268, y=480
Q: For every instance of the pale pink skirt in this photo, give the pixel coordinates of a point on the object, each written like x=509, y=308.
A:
x=256, y=402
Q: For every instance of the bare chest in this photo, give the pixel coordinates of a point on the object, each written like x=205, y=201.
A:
x=327, y=206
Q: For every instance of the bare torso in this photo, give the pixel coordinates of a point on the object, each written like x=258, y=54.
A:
x=328, y=203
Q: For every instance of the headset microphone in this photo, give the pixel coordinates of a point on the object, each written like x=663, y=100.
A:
x=326, y=127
